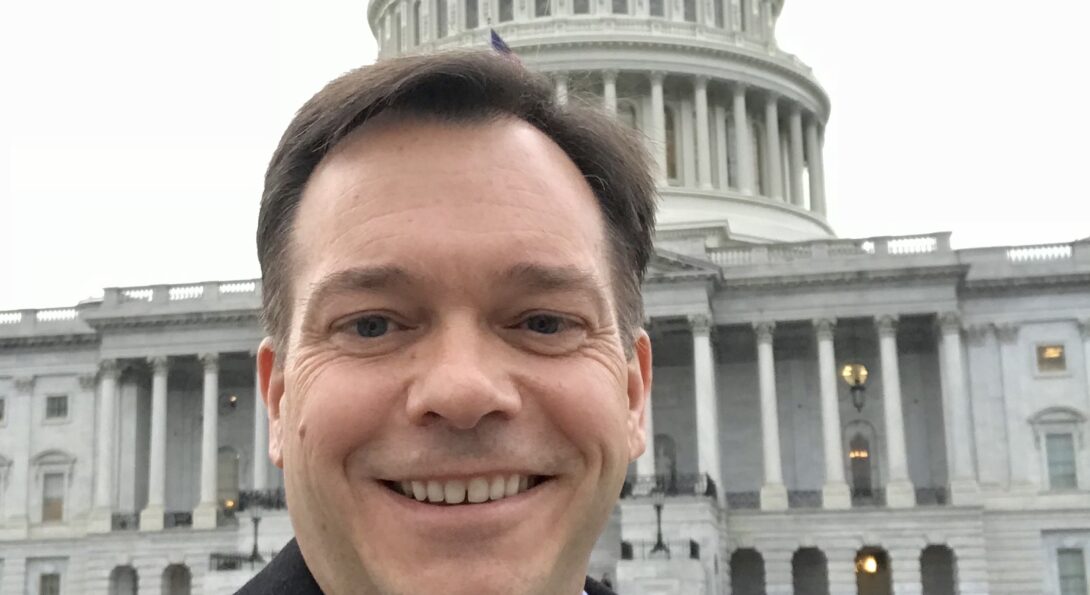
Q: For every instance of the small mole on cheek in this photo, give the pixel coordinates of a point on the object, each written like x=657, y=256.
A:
x=302, y=431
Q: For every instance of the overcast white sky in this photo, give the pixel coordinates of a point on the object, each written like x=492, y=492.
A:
x=134, y=134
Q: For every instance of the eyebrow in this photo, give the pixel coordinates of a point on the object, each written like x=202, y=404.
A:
x=531, y=276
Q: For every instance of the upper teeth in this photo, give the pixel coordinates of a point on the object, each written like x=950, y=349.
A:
x=457, y=491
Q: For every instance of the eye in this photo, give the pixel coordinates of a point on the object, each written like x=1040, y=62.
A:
x=545, y=324
x=372, y=326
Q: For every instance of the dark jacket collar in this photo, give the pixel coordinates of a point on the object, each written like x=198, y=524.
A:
x=287, y=574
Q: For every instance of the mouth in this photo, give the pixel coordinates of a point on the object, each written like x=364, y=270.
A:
x=461, y=492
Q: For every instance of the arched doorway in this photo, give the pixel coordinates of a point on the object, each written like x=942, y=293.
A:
x=176, y=580
x=123, y=581
x=938, y=569
x=810, y=572
x=872, y=574
x=747, y=572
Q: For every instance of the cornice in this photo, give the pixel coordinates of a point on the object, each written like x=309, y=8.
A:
x=953, y=273
x=69, y=340
x=176, y=319
x=1004, y=285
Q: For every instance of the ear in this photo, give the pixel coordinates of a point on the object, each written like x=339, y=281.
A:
x=639, y=394
x=271, y=378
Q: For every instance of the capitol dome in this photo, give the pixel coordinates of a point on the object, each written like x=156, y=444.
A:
x=735, y=124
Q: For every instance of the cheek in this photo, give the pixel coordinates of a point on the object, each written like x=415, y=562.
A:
x=341, y=408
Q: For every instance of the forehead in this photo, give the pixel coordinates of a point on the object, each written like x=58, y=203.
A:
x=421, y=192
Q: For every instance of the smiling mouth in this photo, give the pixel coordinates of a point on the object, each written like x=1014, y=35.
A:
x=476, y=490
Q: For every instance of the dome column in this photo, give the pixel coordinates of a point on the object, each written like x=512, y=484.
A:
x=797, y=157
x=561, y=81
x=772, y=148
x=703, y=140
x=817, y=167
x=609, y=91
x=658, y=124
x=743, y=146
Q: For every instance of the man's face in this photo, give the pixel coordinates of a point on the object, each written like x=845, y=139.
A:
x=453, y=338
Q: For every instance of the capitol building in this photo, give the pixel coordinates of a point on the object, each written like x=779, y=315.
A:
x=830, y=416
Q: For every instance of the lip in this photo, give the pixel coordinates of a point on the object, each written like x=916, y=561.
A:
x=461, y=521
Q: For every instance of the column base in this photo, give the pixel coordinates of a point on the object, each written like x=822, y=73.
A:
x=965, y=492
x=773, y=497
x=205, y=516
x=101, y=520
x=836, y=496
x=151, y=518
x=900, y=494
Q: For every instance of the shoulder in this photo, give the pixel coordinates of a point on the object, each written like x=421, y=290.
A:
x=286, y=574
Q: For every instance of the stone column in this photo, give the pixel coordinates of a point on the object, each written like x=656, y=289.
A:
x=1084, y=329
x=835, y=492
x=905, y=571
x=101, y=518
x=772, y=147
x=151, y=518
x=721, y=158
x=609, y=90
x=899, y=490
x=561, y=79
x=20, y=421
x=703, y=137
x=658, y=124
x=1023, y=478
x=261, y=437
x=773, y=492
x=707, y=406
x=204, y=517
x=817, y=167
x=743, y=145
x=964, y=489
x=797, y=157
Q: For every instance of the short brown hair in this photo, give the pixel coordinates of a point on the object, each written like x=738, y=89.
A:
x=467, y=86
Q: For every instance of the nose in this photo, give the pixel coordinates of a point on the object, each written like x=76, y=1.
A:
x=462, y=380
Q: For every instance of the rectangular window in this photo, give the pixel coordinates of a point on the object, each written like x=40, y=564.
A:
x=1051, y=358
x=657, y=8
x=471, y=14
x=56, y=407
x=49, y=584
x=542, y=8
x=1060, y=449
x=53, y=497
x=620, y=6
x=719, y=19
x=507, y=10
x=581, y=6
x=1072, y=567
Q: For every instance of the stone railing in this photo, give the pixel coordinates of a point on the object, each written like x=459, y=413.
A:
x=865, y=248
x=666, y=550
x=1019, y=261
x=227, y=561
x=805, y=499
x=932, y=497
x=209, y=291
x=670, y=485
x=48, y=321
x=263, y=499
x=125, y=521
x=743, y=500
x=177, y=519
x=863, y=498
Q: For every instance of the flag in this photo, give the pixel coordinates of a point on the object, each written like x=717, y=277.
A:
x=500, y=45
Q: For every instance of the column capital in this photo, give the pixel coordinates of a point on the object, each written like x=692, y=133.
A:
x=87, y=381
x=1084, y=329
x=109, y=367
x=978, y=332
x=159, y=364
x=795, y=110
x=764, y=329
x=887, y=325
x=772, y=98
x=949, y=322
x=657, y=76
x=701, y=324
x=24, y=385
x=1007, y=332
x=210, y=361
x=701, y=80
x=739, y=88
x=609, y=75
x=825, y=327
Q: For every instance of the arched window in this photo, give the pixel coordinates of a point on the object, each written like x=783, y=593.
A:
x=471, y=14
x=859, y=457
x=671, y=144
x=542, y=8
x=939, y=570
x=747, y=572
x=690, y=11
x=440, y=19
x=620, y=6
x=416, y=22
x=227, y=477
x=666, y=460
x=872, y=575
x=810, y=572
x=507, y=10
x=1058, y=434
x=176, y=580
x=657, y=8
x=123, y=581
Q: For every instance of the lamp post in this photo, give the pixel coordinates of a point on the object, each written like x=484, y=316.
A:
x=660, y=548
x=255, y=518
